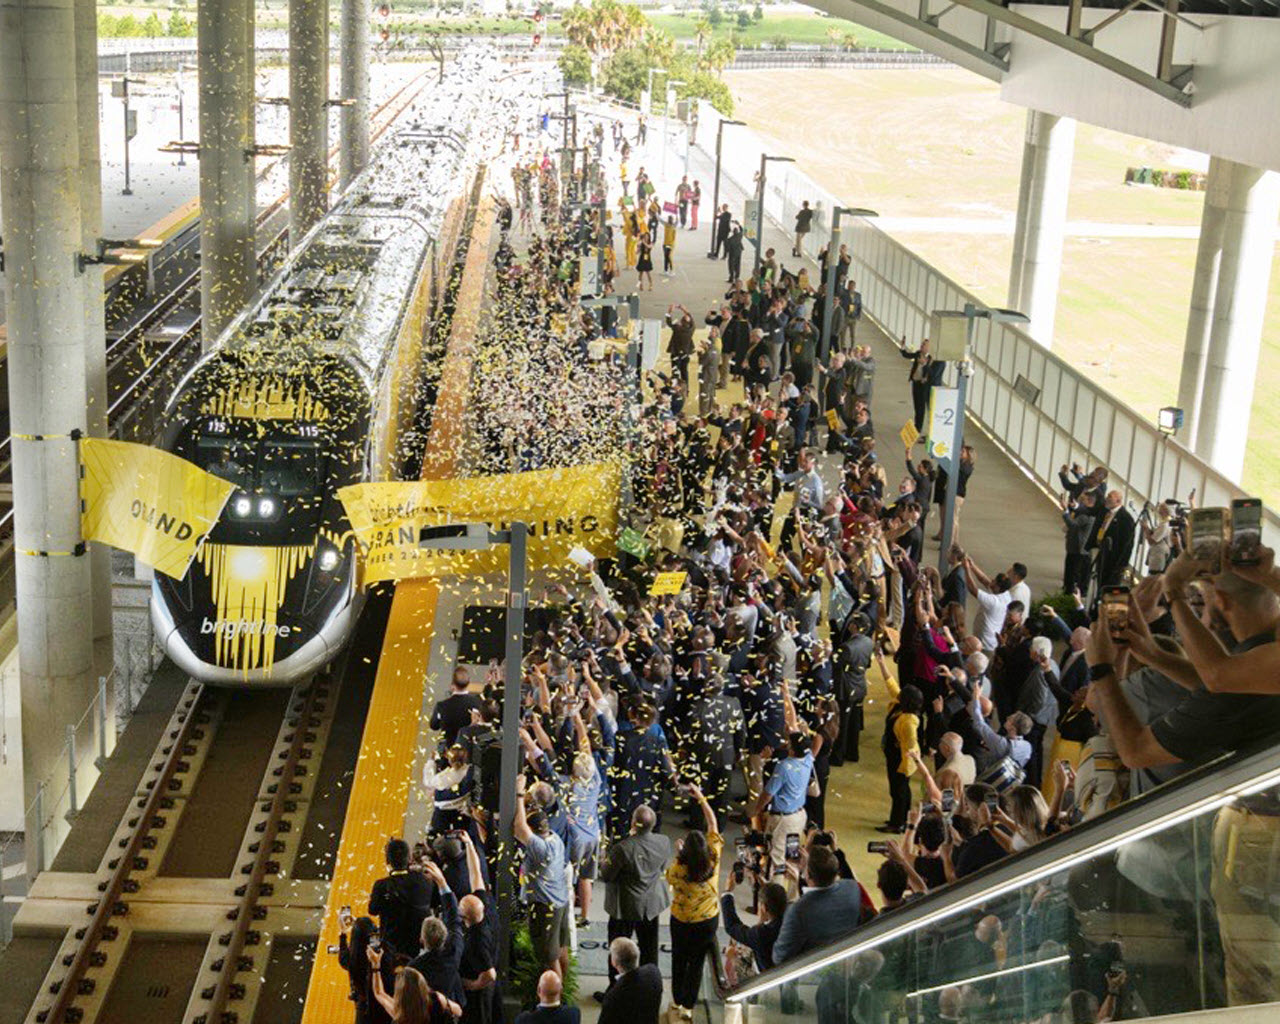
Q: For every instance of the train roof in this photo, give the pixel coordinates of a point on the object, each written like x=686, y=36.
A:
x=344, y=290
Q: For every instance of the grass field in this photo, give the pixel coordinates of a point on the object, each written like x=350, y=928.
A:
x=940, y=142
x=796, y=28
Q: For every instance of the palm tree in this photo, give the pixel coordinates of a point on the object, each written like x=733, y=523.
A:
x=702, y=32
x=602, y=29
x=849, y=41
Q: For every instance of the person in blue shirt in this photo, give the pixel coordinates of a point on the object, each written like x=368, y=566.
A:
x=546, y=888
x=783, y=797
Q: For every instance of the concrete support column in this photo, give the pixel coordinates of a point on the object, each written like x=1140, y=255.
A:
x=1020, y=218
x=94, y=329
x=1204, y=288
x=308, y=114
x=228, y=265
x=354, y=120
x=1235, y=333
x=1050, y=144
x=45, y=293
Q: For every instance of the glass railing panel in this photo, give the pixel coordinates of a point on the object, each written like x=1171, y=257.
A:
x=1173, y=913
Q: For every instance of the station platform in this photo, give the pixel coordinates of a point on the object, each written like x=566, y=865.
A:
x=422, y=640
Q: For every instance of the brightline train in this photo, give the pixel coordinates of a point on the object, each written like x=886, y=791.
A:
x=315, y=386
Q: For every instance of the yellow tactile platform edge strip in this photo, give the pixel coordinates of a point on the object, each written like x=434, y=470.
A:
x=380, y=789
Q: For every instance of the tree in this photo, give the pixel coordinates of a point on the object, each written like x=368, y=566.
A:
x=757, y=14
x=152, y=28
x=720, y=54
x=602, y=29
x=715, y=16
x=702, y=29
x=180, y=25
x=849, y=41
x=575, y=65
x=744, y=20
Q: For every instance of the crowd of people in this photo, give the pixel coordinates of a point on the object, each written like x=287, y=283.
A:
x=656, y=725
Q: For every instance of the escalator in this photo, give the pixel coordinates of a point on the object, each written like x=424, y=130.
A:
x=1170, y=904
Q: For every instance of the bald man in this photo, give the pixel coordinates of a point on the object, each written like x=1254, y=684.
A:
x=635, y=885
x=550, y=1010
x=479, y=965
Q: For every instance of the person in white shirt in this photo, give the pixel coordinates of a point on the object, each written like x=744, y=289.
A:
x=994, y=597
x=951, y=748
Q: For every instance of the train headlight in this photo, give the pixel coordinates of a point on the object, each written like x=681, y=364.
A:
x=241, y=507
x=266, y=507
x=329, y=559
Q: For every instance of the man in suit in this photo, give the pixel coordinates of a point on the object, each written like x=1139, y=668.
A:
x=830, y=908
x=401, y=901
x=442, y=943
x=723, y=221
x=1114, y=540
x=636, y=886
x=1079, y=522
x=1075, y=667
x=549, y=1009
x=635, y=997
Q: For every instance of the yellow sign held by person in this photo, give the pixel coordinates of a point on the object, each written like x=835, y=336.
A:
x=909, y=434
x=564, y=508
x=668, y=583
x=833, y=419
x=141, y=499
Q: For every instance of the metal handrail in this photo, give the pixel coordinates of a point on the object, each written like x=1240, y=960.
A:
x=1199, y=792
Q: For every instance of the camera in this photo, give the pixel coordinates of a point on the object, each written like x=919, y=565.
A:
x=878, y=846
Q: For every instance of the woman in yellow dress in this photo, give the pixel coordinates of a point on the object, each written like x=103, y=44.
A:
x=629, y=233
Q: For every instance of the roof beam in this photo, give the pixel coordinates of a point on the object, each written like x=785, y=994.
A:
x=1077, y=47
x=929, y=27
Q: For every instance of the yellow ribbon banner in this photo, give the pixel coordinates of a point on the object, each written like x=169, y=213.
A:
x=564, y=508
x=147, y=501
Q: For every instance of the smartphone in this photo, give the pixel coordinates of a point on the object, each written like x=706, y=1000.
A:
x=992, y=801
x=1246, y=531
x=1115, y=612
x=375, y=943
x=332, y=950
x=793, y=846
x=878, y=846
x=928, y=807
x=344, y=916
x=948, y=802
x=1207, y=531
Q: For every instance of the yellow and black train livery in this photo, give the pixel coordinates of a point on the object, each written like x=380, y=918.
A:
x=314, y=387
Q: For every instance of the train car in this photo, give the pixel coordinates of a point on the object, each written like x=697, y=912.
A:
x=314, y=387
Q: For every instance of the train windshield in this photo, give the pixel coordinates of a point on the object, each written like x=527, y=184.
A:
x=288, y=467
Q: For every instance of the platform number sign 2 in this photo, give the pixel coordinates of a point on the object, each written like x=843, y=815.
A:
x=944, y=423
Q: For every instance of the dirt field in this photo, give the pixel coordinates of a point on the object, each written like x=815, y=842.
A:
x=921, y=143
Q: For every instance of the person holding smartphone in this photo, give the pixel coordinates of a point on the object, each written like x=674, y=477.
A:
x=353, y=956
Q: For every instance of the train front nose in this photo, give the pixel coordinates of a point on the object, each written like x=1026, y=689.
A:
x=253, y=615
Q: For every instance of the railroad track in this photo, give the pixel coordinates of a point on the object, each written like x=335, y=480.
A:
x=242, y=914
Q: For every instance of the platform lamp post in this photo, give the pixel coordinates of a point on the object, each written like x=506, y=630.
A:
x=715, y=187
x=971, y=313
x=764, y=160
x=829, y=295
x=478, y=537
